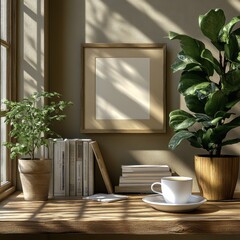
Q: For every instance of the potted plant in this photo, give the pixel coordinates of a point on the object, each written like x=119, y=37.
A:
x=30, y=125
x=210, y=86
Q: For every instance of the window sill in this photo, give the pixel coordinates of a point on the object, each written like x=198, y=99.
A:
x=6, y=191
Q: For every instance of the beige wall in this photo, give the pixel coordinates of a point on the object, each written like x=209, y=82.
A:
x=32, y=48
x=73, y=22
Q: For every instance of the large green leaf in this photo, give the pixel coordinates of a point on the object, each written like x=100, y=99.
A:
x=190, y=80
x=182, y=61
x=226, y=30
x=215, y=103
x=185, y=124
x=176, y=117
x=194, y=104
x=211, y=23
x=179, y=112
x=178, y=138
x=201, y=117
x=232, y=49
x=202, y=88
x=190, y=46
x=187, y=63
x=231, y=82
x=206, y=54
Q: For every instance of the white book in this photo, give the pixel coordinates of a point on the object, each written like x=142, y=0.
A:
x=146, y=174
x=145, y=168
x=79, y=169
x=138, y=180
x=58, y=178
x=65, y=152
x=72, y=166
x=86, y=167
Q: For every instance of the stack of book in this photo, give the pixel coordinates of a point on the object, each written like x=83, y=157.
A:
x=139, y=178
x=72, y=167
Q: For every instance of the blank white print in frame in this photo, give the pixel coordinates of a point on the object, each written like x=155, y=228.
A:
x=122, y=88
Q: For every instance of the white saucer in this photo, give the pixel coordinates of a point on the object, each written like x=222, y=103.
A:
x=157, y=201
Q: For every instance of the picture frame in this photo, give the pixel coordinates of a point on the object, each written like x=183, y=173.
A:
x=123, y=88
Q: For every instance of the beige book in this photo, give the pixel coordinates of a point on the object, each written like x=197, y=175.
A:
x=102, y=166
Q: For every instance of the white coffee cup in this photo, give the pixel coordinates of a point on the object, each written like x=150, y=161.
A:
x=175, y=189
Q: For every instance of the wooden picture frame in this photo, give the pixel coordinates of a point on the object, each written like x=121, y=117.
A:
x=123, y=88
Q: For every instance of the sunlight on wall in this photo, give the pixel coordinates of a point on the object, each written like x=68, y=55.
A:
x=32, y=50
x=100, y=13
x=158, y=17
x=235, y=4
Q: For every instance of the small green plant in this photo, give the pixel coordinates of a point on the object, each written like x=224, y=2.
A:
x=209, y=100
x=30, y=122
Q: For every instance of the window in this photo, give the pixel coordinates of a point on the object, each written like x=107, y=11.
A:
x=7, y=80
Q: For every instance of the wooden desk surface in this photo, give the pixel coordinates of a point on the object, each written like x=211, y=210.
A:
x=131, y=216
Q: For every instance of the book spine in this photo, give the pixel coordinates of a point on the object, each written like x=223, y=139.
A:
x=85, y=168
x=66, y=164
x=72, y=167
x=79, y=169
x=91, y=171
x=133, y=189
x=146, y=174
x=58, y=170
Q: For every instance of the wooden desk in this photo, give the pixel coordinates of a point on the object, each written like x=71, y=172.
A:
x=132, y=217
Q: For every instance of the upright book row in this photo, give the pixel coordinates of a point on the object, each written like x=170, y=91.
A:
x=72, y=167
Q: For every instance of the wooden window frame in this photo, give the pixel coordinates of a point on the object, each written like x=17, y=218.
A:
x=11, y=44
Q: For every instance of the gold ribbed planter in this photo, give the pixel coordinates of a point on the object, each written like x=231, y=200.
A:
x=217, y=176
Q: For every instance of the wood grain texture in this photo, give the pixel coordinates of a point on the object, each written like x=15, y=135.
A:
x=130, y=216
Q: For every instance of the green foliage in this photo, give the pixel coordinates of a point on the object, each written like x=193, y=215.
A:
x=30, y=121
x=210, y=102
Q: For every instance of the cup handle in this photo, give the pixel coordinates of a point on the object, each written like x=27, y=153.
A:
x=152, y=186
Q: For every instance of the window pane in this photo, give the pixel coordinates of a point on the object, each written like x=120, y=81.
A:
x=4, y=21
x=3, y=72
x=3, y=135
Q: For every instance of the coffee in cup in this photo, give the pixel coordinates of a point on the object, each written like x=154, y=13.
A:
x=175, y=189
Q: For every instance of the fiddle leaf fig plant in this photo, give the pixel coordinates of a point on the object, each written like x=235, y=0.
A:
x=209, y=83
x=30, y=122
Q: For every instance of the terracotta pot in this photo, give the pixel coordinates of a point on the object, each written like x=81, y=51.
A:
x=35, y=178
x=217, y=176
